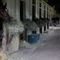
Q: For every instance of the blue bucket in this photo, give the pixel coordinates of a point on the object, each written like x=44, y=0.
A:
x=33, y=38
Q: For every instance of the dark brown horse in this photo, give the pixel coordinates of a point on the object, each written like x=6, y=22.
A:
x=4, y=17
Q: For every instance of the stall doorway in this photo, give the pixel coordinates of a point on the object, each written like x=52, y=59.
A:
x=47, y=25
x=44, y=28
x=40, y=29
x=33, y=13
x=21, y=9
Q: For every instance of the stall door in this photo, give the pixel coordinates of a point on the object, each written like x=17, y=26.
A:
x=21, y=9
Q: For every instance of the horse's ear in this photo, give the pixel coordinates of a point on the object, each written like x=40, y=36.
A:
x=5, y=5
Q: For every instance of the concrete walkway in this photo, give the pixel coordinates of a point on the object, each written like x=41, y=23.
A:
x=48, y=50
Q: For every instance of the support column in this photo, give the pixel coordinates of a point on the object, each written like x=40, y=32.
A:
x=28, y=9
x=37, y=9
x=18, y=10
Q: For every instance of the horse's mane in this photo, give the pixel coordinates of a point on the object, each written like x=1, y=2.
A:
x=3, y=13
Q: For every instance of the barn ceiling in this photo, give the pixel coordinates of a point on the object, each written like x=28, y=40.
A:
x=56, y=3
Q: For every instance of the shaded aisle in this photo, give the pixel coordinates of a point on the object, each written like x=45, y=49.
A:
x=49, y=51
